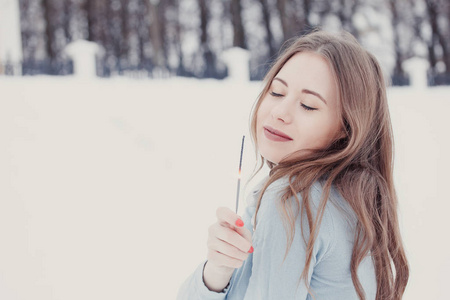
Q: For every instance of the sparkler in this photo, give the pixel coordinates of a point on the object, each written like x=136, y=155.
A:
x=239, y=177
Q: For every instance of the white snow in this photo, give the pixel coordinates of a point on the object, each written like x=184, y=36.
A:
x=108, y=186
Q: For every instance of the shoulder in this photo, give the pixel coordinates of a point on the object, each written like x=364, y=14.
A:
x=274, y=193
x=337, y=224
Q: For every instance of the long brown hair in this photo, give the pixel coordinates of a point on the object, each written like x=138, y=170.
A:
x=360, y=165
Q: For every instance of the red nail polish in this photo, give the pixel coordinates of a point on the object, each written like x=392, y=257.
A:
x=251, y=250
x=239, y=223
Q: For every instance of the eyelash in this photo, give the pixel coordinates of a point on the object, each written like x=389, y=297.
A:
x=307, y=107
x=275, y=94
x=302, y=105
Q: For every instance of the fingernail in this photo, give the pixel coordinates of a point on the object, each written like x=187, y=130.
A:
x=239, y=223
x=251, y=250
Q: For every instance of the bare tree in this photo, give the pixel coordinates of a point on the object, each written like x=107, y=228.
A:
x=66, y=19
x=124, y=30
x=432, y=17
x=294, y=16
x=49, y=13
x=287, y=18
x=307, y=8
x=238, y=27
x=156, y=33
x=398, y=71
x=446, y=34
x=174, y=34
x=266, y=20
x=345, y=11
x=142, y=31
x=208, y=56
x=89, y=6
x=439, y=36
x=26, y=31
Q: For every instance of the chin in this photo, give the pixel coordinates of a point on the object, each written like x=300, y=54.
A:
x=271, y=158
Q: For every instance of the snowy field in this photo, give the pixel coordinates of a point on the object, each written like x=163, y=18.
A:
x=107, y=187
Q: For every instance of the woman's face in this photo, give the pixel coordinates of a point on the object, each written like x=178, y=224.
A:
x=300, y=109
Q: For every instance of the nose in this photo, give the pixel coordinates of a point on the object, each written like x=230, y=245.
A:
x=283, y=111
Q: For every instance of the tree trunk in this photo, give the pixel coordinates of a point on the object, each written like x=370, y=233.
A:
x=444, y=35
x=49, y=31
x=307, y=12
x=432, y=16
x=156, y=38
x=208, y=57
x=284, y=19
x=345, y=13
x=89, y=8
x=142, y=32
x=266, y=19
x=66, y=22
x=124, y=30
x=395, y=20
x=177, y=39
x=299, y=19
x=238, y=28
x=103, y=28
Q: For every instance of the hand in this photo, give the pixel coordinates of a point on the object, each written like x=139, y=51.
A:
x=229, y=244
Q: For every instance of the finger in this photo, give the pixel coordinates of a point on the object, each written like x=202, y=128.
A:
x=221, y=259
x=227, y=249
x=226, y=215
x=233, y=238
x=230, y=216
x=244, y=232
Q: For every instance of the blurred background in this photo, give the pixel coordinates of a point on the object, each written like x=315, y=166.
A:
x=121, y=124
x=157, y=39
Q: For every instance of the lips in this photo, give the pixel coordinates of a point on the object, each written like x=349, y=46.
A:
x=277, y=132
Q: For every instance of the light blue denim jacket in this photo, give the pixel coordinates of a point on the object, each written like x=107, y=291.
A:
x=265, y=274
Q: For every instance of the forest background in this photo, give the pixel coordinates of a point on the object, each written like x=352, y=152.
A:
x=163, y=38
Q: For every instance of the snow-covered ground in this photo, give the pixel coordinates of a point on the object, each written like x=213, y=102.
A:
x=107, y=187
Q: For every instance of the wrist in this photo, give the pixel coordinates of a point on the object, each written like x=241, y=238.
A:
x=216, y=278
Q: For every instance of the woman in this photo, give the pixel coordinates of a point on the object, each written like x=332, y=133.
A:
x=323, y=224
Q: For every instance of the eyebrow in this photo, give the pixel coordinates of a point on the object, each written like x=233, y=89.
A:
x=305, y=91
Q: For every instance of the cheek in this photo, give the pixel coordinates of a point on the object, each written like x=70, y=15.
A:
x=318, y=133
x=261, y=114
x=332, y=130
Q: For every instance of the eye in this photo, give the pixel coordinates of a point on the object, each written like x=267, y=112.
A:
x=275, y=94
x=308, y=107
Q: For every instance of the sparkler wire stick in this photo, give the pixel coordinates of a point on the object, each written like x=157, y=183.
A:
x=239, y=177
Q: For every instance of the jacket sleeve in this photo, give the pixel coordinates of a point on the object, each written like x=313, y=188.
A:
x=273, y=275
x=195, y=288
